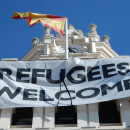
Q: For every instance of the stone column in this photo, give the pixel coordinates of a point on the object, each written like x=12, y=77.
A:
x=6, y=116
x=125, y=112
x=38, y=117
x=49, y=121
x=46, y=49
x=82, y=116
x=93, y=47
x=93, y=115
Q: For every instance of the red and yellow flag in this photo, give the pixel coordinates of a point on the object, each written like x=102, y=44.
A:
x=52, y=21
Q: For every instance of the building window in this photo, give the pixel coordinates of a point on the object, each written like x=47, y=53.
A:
x=109, y=112
x=22, y=117
x=66, y=115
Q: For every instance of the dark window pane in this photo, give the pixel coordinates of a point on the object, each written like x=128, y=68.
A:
x=108, y=112
x=66, y=115
x=22, y=116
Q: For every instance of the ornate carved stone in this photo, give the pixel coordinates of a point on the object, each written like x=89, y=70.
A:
x=73, y=31
x=47, y=31
x=35, y=41
x=46, y=39
x=92, y=28
x=53, y=48
x=58, y=35
x=105, y=39
x=70, y=26
x=93, y=33
x=80, y=33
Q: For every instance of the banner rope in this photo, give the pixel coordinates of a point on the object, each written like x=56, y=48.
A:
x=62, y=80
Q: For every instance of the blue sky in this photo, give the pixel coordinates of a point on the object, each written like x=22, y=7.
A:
x=112, y=18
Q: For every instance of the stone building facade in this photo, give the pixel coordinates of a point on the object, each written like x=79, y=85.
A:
x=113, y=114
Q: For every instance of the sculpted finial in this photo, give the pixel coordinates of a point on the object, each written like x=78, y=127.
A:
x=47, y=31
x=72, y=31
x=46, y=36
x=106, y=39
x=35, y=41
x=70, y=26
x=58, y=35
x=92, y=27
x=93, y=33
x=80, y=33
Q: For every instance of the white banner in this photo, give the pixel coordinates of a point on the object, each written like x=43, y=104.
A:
x=37, y=83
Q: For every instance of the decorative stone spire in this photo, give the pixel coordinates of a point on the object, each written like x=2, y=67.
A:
x=35, y=41
x=105, y=39
x=46, y=40
x=80, y=33
x=47, y=36
x=70, y=26
x=72, y=32
x=92, y=28
x=93, y=33
x=71, y=29
x=47, y=31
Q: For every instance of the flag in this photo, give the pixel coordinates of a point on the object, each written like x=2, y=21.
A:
x=52, y=21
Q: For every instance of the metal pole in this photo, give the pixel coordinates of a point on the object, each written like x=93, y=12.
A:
x=66, y=39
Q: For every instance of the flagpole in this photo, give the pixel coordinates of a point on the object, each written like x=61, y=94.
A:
x=66, y=39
